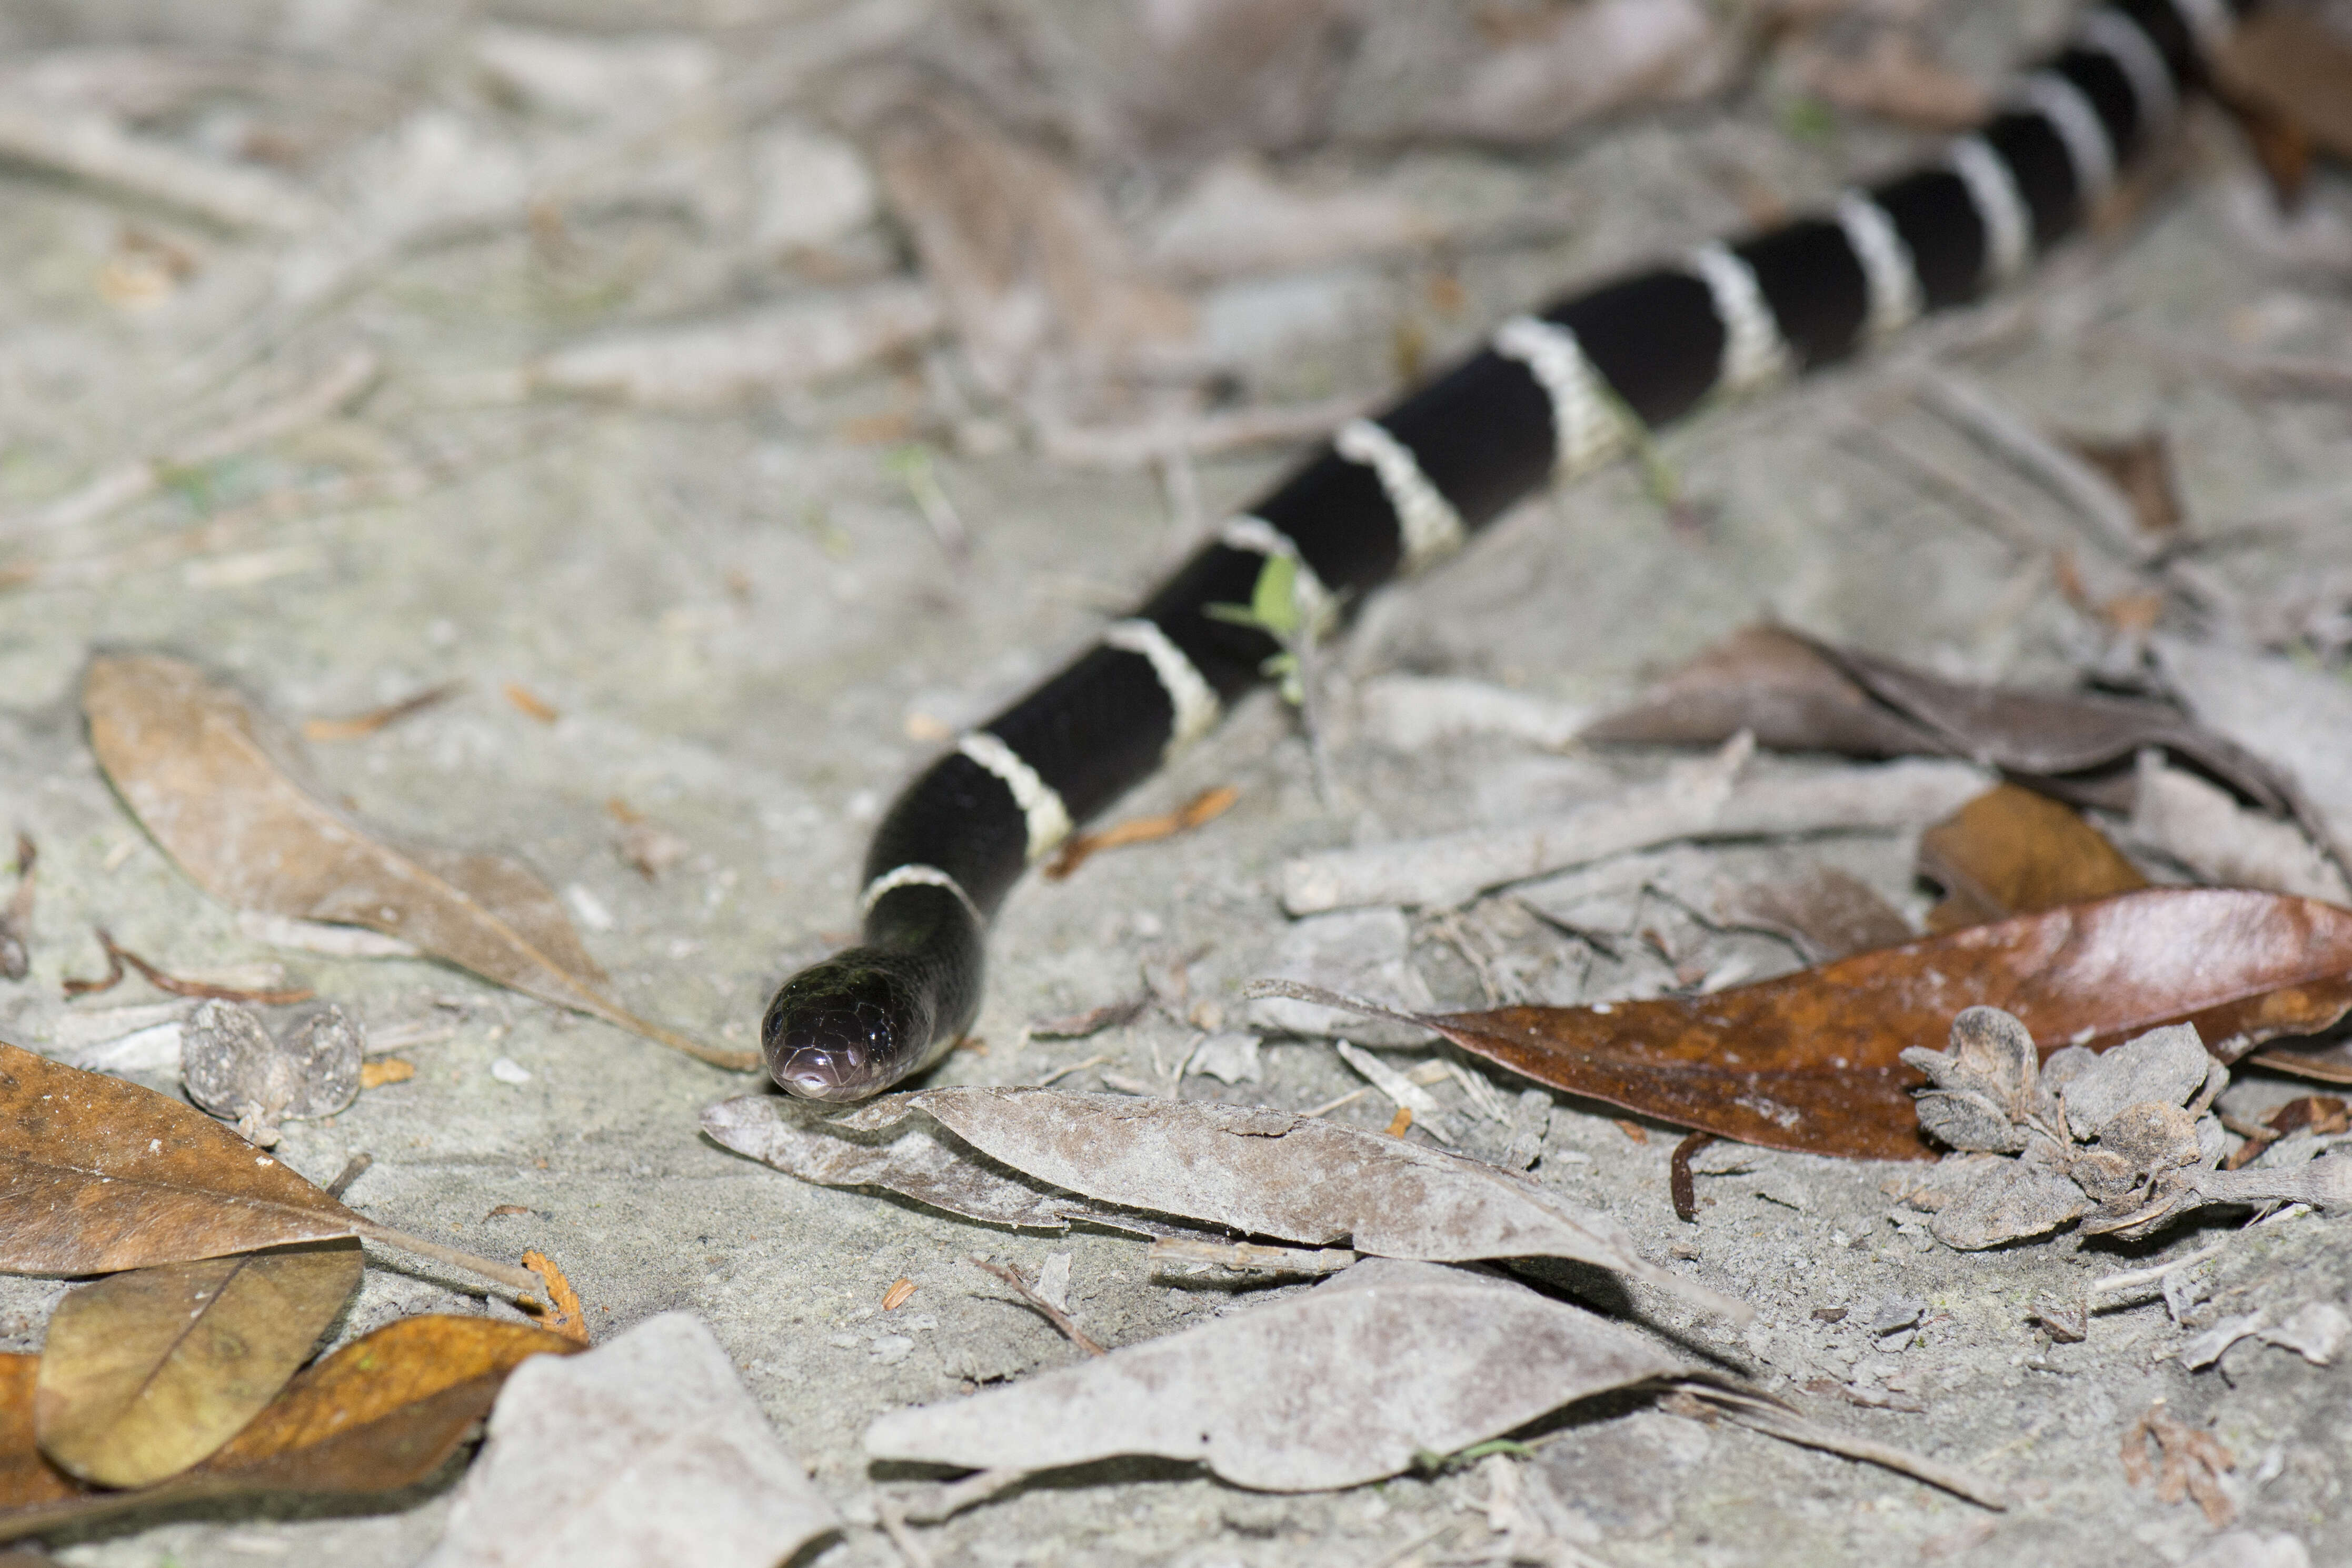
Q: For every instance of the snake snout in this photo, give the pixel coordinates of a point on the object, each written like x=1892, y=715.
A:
x=843, y=1030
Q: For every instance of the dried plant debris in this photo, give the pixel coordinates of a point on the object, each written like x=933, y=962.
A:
x=234, y=1070
x=706, y=1481
x=206, y=772
x=2123, y=1141
x=1040, y=1159
x=716, y=363
x=2298, y=721
x=1799, y=694
x=2296, y=66
x=2013, y=851
x=380, y=1414
x=1813, y=1062
x=1825, y=912
x=98, y=1175
x=1337, y=1387
x=145, y=1373
x=2314, y=1330
x=2316, y=1114
x=27, y=1477
x=2185, y=1462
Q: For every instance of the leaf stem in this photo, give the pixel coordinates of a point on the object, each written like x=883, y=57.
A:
x=522, y=1282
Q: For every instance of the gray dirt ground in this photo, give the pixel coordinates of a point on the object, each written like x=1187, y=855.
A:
x=735, y=614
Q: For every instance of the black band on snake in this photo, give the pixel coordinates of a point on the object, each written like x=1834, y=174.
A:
x=1553, y=395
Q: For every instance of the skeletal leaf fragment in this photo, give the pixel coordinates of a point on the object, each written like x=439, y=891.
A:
x=1039, y=1156
x=707, y=1480
x=234, y=1070
x=1339, y=1387
x=206, y=774
x=145, y=1373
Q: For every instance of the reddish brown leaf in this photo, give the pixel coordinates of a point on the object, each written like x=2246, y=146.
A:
x=1809, y=1061
x=1774, y=683
x=381, y=1414
x=2013, y=852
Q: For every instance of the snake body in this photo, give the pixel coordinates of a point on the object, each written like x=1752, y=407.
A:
x=1553, y=394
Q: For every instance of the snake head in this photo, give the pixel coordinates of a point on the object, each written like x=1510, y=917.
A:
x=846, y=1029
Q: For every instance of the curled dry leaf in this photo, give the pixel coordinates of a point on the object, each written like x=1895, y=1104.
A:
x=1809, y=1061
x=1341, y=1385
x=205, y=772
x=146, y=1372
x=2013, y=851
x=234, y=1070
x=1052, y=1157
x=381, y=1414
x=1797, y=693
x=707, y=1481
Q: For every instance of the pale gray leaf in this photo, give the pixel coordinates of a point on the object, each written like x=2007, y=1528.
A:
x=1336, y=1387
x=645, y=1452
x=2164, y=1066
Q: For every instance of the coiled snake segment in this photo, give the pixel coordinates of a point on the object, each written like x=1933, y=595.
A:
x=1554, y=394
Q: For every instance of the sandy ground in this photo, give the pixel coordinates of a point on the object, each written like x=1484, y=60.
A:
x=734, y=615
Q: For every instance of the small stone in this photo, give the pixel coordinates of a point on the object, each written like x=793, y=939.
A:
x=233, y=1069
x=1894, y=1315
x=1230, y=1058
x=507, y=1070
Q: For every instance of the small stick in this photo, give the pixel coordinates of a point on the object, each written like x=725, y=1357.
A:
x=1761, y=1413
x=1205, y=806
x=117, y=956
x=353, y=1168
x=522, y=1282
x=1061, y=1073
x=956, y=1496
x=2139, y=1277
x=1052, y=1313
x=366, y=724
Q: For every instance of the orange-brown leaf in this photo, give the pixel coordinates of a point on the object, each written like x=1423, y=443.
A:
x=2013, y=852
x=1809, y=1061
x=27, y=1478
x=566, y=1316
x=98, y=1175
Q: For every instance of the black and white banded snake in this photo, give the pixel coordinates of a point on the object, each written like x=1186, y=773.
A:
x=1553, y=395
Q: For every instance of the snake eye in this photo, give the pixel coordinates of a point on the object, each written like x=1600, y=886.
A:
x=844, y=1030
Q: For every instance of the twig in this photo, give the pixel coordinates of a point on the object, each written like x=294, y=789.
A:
x=1061, y=1073
x=1760, y=1413
x=1199, y=435
x=118, y=956
x=353, y=1168
x=366, y=724
x=2091, y=494
x=351, y=373
x=1052, y=1313
x=91, y=147
x=953, y=1499
x=1245, y=1257
x=2139, y=1277
x=1205, y=806
x=522, y=1282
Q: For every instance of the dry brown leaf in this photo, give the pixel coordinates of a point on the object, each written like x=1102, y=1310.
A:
x=204, y=771
x=565, y=1315
x=27, y=1479
x=2290, y=62
x=1828, y=913
x=98, y=1174
x=145, y=1373
x=381, y=1414
x=2013, y=852
x=1809, y=1061
x=2141, y=467
x=1034, y=271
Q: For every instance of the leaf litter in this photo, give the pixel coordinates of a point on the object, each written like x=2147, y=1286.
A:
x=148, y=1371
x=1812, y=1061
x=2013, y=851
x=206, y=774
x=381, y=1414
x=98, y=1175
x=1042, y=1159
